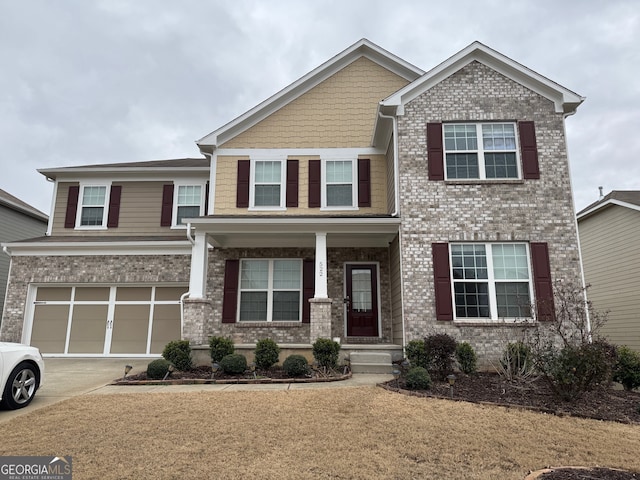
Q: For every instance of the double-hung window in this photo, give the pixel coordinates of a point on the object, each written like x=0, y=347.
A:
x=491, y=281
x=268, y=179
x=93, y=206
x=483, y=151
x=270, y=290
x=339, y=189
x=188, y=202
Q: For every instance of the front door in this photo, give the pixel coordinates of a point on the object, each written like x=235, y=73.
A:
x=362, y=300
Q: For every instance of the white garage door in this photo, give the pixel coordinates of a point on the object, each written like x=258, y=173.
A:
x=106, y=320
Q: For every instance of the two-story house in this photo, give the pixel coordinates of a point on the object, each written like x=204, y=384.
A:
x=368, y=201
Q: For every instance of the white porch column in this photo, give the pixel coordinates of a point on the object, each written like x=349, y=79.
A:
x=199, y=260
x=321, y=265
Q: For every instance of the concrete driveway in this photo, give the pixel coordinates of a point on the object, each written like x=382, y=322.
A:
x=68, y=377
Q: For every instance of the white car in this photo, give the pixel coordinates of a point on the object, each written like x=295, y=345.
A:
x=21, y=373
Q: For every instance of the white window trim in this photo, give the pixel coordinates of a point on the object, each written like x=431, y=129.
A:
x=176, y=187
x=354, y=184
x=105, y=207
x=252, y=185
x=480, y=151
x=269, y=292
x=493, y=304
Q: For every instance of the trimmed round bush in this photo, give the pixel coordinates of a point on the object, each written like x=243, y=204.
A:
x=266, y=354
x=178, y=352
x=416, y=354
x=233, y=364
x=219, y=347
x=418, y=379
x=295, y=366
x=440, y=350
x=326, y=352
x=627, y=369
x=467, y=358
x=157, y=369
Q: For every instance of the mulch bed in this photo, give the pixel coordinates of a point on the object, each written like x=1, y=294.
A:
x=580, y=473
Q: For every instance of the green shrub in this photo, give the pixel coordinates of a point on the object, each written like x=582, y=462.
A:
x=326, y=352
x=416, y=354
x=576, y=369
x=266, y=353
x=466, y=357
x=157, y=369
x=233, y=364
x=627, y=369
x=295, y=366
x=418, y=379
x=220, y=347
x=440, y=349
x=178, y=352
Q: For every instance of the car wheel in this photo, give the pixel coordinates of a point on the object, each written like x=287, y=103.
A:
x=21, y=386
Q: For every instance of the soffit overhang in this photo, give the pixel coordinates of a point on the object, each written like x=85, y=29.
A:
x=290, y=232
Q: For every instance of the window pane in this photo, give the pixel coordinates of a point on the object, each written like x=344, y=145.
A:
x=460, y=137
x=361, y=290
x=501, y=165
x=286, y=306
x=253, y=306
x=268, y=172
x=91, y=216
x=94, y=196
x=469, y=261
x=339, y=196
x=462, y=165
x=254, y=274
x=498, y=136
x=187, y=212
x=267, y=196
x=286, y=274
x=513, y=300
x=510, y=261
x=189, y=195
x=472, y=299
x=339, y=171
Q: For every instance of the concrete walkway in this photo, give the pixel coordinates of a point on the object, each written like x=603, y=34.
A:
x=69, y=377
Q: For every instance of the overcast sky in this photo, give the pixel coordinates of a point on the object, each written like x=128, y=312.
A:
x=89, y=81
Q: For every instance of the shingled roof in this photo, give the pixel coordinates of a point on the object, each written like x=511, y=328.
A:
x=8, y=200
x=616, y=197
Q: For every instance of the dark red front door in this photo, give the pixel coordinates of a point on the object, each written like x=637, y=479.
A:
x=362, y=300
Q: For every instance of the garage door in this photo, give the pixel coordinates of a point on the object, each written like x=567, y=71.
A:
x=107, y=320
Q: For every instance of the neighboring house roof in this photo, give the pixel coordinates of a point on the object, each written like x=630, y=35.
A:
x=362, y=48
x=14, y=203
x=178, y=164
x=623, y=198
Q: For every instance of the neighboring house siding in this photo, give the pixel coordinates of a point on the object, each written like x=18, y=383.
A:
x=91, y=270
x=140, y=211
x=438, y=211
x=338, y=113
x=227, y=177
x=15, y=226
x=611, y=258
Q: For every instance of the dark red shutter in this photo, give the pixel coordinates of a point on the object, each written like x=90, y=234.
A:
x=308, y=288
x=435, y=154
x=206, y=199
x=314, y=184
x=167, y=205
x=529, y=150
x=292, y=183
x=242, y=192
x=72, y=206
x=364, y=182
x=442, y=281
x=542, y=281
x=230, y=297
x=114, y=206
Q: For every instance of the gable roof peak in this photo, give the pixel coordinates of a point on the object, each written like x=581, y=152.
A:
x=622, y=198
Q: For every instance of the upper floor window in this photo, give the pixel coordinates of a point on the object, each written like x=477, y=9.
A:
x=188, y=202
x=93, y=206
x=481, y=151
x=267, y=190
x=187, y=199
x=338, y=183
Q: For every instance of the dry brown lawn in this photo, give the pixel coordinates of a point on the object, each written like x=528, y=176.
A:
x=345, y=433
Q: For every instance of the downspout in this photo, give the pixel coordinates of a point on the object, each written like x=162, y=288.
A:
x=396, y=213
x=575, y=221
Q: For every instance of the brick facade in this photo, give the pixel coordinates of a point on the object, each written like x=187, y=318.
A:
x=444, y=211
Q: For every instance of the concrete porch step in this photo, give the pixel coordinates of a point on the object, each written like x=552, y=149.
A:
x=371, y=362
